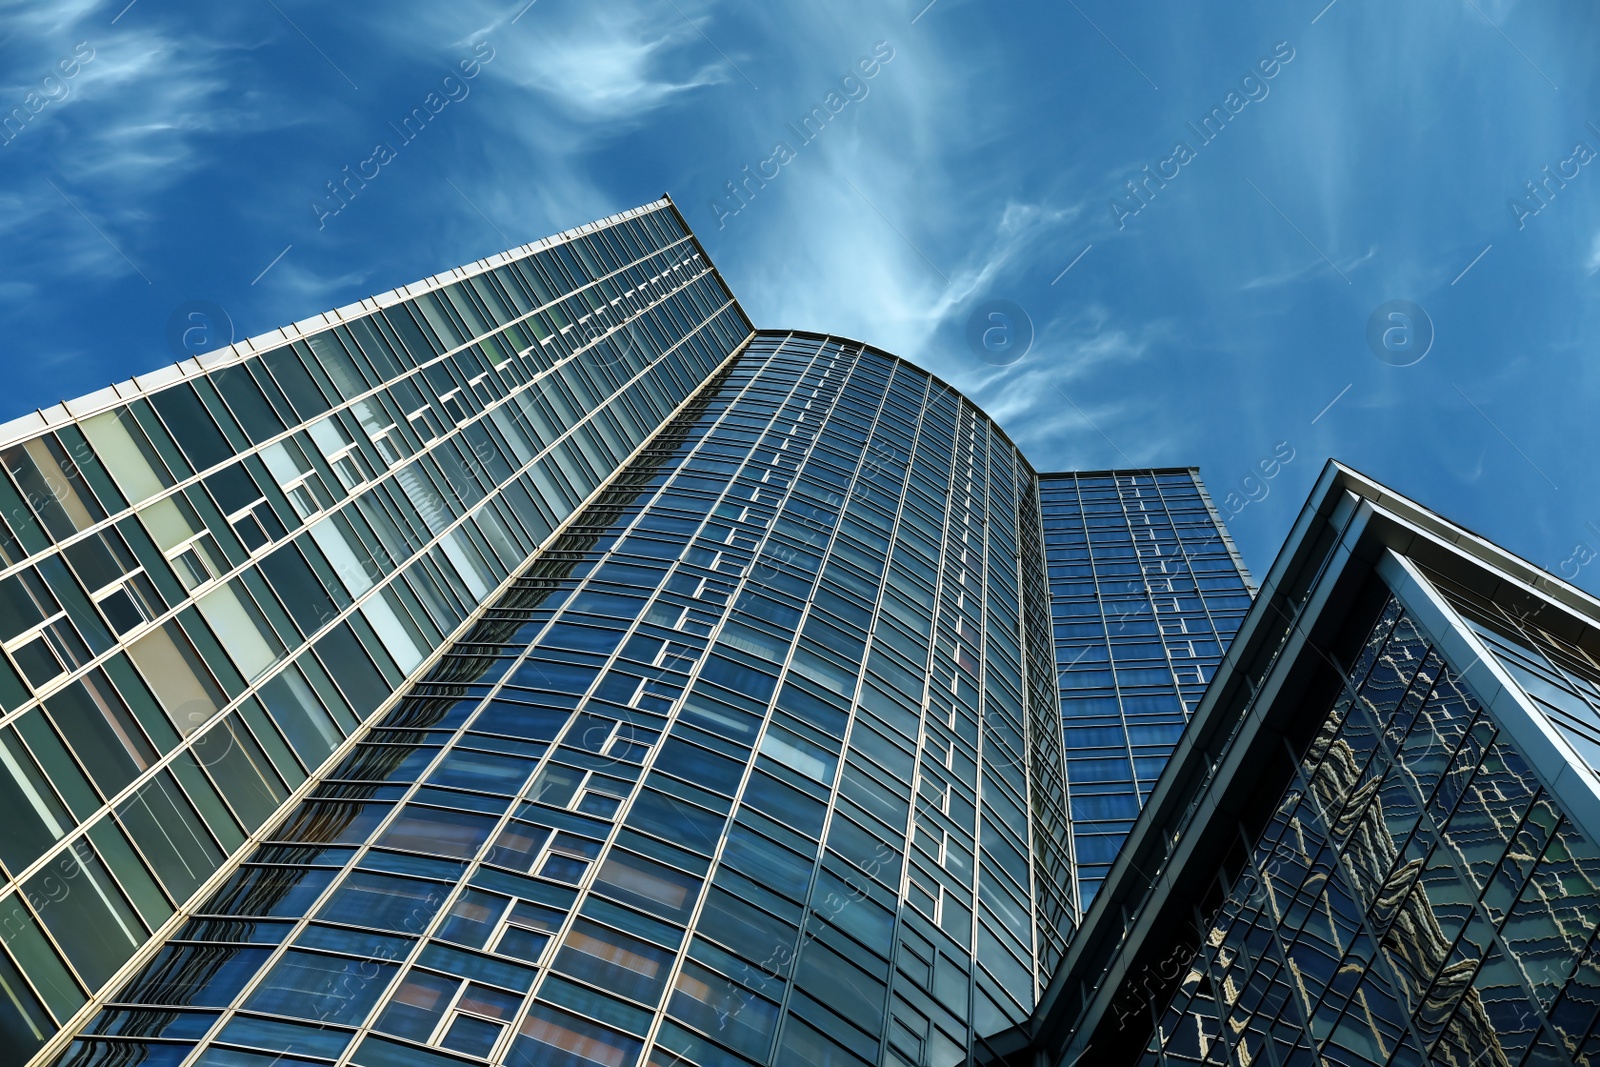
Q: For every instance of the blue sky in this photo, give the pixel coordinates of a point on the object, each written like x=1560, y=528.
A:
x=1380, y=160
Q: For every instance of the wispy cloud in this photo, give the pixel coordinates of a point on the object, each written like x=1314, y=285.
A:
x=612, y=64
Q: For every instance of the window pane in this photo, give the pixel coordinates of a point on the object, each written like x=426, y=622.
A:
x=24, y=1025
x=648, y=885
x=241, y=770
x=80, y=904
x=552, y=1038
x=614, y=961
x=300, y=715
x=34, y=818
x=241, y=629
x=197, y=976
x=101, y=730
x=192, y=427
x=248, y=403
x=166, y=829
x=385, y=902
x=175, y=674
x=418, y=1005
x=127, y=454
x=330, y=989
x=445, y=833
x=268, y=891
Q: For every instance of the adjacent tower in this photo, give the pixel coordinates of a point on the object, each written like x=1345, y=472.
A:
x=1378, y=841
x=1146, y=591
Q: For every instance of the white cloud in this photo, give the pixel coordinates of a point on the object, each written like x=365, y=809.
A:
x=1593, y=264
x=613, y=66
x=55, y=19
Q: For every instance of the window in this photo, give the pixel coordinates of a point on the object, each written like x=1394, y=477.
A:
x=426, y=423
x=477, y=1019
x=928, y=899
x=602, y=796
x=303, y=498
x=387, y=442
x=129, y=605
x=655, y=695
x=615, y=961
x=480, y=384
x=568, y=858
x=45, y=651
x=116, y=582
x=257, y=525
x=350, y=467
x=455, y=405
x=632, y=745
x=526, y=931
x=197, y=561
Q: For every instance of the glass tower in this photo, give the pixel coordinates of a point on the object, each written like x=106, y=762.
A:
x=1146, y=591
x=215, y=575
x=1379, y=842
x=540, y=665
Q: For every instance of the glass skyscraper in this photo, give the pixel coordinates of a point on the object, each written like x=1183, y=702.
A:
x=541, y=665
x=1146, y=590
x=536, y=664
x=1378, y=841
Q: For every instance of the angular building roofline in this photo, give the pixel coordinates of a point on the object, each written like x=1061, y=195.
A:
x=66, y=411
x=1351, y=530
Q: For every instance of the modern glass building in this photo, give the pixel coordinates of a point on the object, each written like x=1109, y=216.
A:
x=1146, y=590
x=1378, y=841
x=540, y=665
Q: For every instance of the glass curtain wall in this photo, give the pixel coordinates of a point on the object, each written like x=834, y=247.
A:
x=736, y=772
x=210, y=580
x=1146, y=591
x=1418, y=895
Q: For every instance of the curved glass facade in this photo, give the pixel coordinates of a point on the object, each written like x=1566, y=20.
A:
x=737, y=771
x=538, y=665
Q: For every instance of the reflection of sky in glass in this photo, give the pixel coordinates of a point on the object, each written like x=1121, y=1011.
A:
x=1145, y=592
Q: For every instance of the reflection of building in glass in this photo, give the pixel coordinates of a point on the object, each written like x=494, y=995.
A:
x=1377, y=843
x=539, y=665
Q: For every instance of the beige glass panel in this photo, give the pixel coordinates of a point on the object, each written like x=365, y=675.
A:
x=166, y=524
x=120, y=455
x=64, y=491
x=187, y=699
x=234, y=627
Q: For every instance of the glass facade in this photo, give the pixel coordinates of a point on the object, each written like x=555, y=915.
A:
x=1418, y=896
x=1378, y=840
x=1146, y=591
x=1559, y=676
x=737, y=771
x=215, y=575
x=538, y=665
